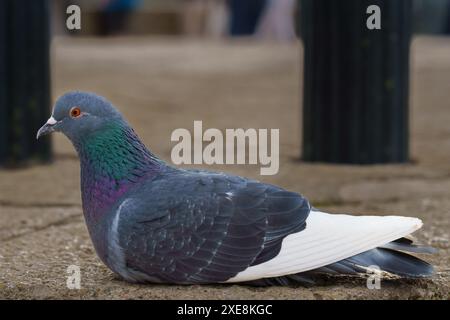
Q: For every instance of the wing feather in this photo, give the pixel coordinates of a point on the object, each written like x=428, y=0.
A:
x=208, y=228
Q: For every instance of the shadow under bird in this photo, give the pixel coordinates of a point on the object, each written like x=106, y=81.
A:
x=151, y=222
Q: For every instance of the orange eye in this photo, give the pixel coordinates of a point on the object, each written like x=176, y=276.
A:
x=75, y=112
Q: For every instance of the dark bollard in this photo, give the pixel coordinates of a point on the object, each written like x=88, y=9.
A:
x=24, y=81
x=3, y=81
x=355, y=107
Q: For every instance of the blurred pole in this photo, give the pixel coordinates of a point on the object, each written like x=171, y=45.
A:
x=355, y=102
x=3, y=81
x=24, y=80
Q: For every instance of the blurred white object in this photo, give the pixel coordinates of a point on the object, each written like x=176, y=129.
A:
x=217, y=19
x=205, y=18
x=277, y=22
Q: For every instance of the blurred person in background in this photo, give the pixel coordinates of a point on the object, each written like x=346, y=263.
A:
x=245, y=16
x=277, y=22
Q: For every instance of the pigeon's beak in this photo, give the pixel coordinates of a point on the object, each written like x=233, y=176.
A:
x=47, y=128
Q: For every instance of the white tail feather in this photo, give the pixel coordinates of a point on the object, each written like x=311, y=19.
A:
x=329, y=238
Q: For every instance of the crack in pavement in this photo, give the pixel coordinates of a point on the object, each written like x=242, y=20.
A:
x=65, y=221
x=13, y=204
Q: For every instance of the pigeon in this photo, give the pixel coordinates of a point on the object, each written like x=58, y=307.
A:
x=151, y=222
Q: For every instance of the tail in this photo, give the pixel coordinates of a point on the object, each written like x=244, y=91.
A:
x=386, y=258
x=343, y=244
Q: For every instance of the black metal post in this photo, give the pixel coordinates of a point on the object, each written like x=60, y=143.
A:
x=24, y=80
x=355, y=107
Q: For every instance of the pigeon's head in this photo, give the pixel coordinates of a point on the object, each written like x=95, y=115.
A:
x=79, y=114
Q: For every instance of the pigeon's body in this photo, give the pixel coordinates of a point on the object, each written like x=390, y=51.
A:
x=153, y=222
x=150, y=222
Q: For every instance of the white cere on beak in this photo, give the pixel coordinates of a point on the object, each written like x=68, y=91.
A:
x=51, y=121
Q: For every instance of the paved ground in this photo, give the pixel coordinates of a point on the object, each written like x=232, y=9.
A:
x=163, y=84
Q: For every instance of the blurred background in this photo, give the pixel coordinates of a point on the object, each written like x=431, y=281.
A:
x=363, y=116
x=273, y=19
